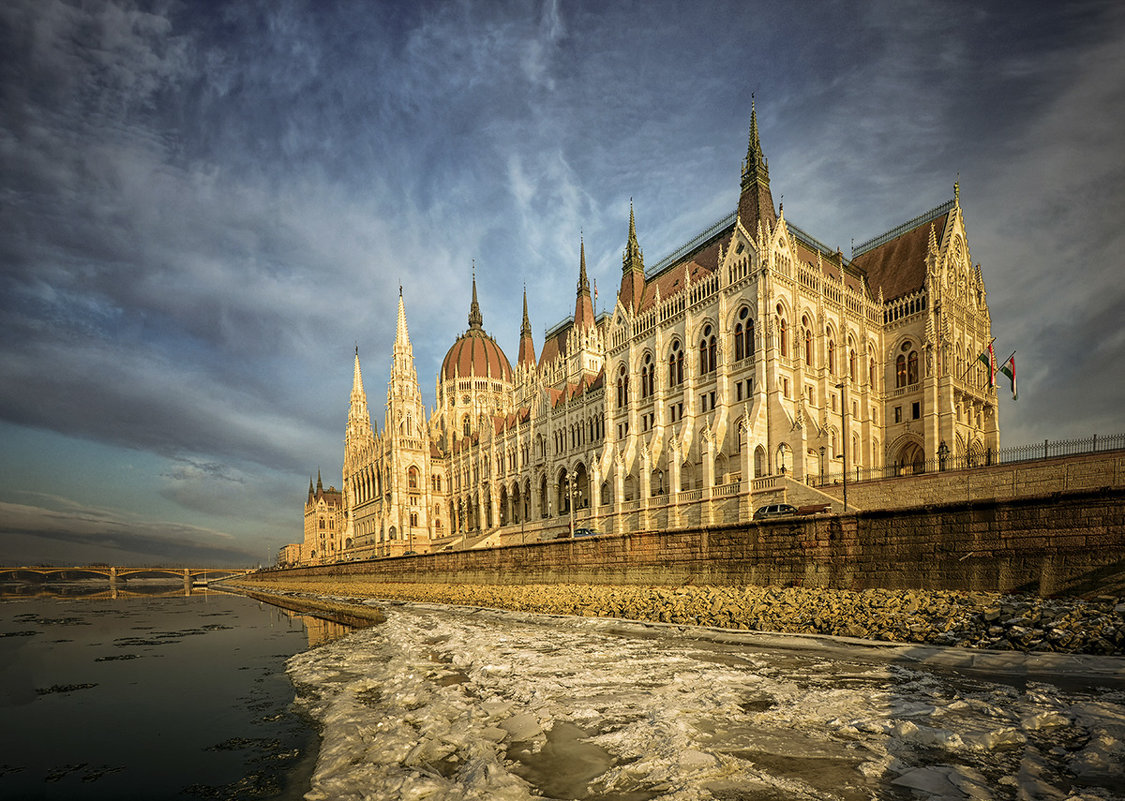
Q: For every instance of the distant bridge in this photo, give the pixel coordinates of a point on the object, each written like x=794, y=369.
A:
x=190, y=575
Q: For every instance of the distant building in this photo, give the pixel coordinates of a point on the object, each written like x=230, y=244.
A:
x=753, y=360
x=289, y=555
x=324, y=515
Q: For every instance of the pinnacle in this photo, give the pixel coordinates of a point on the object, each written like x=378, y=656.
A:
x=402, y=335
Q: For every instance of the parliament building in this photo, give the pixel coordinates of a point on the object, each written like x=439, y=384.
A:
x=751, y=366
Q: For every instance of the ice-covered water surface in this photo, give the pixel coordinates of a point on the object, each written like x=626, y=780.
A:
x=445, y=704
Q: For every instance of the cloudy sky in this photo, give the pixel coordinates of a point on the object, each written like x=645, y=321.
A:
x=206, y=206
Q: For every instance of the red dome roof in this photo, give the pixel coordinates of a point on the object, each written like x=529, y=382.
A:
x=475, y=353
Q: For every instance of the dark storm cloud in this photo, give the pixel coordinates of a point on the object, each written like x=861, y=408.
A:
x=58, y=531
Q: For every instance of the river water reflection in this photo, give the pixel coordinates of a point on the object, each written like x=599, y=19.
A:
x=154, y=694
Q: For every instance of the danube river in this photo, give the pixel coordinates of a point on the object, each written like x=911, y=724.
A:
x=219, y=697
x=151, y=696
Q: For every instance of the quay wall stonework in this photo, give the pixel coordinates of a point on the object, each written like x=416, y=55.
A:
x=1069, y=544
x=1030, y=479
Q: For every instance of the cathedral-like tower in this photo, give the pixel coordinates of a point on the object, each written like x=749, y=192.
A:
x=406, y=448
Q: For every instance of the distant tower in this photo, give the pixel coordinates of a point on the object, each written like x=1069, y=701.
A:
x=359, y=442
x=324, y=521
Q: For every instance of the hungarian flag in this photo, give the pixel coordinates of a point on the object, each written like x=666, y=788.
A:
x=1008, y=368
x=990, y=362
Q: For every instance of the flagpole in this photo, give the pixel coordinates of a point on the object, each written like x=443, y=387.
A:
x=977, y=359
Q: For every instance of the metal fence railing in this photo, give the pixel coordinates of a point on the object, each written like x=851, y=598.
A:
x=1047, y=449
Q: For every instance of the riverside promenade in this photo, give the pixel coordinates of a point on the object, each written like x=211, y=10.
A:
x=1030, y=570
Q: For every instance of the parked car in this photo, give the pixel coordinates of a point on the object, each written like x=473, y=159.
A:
x=774, y=510
x=586, y=532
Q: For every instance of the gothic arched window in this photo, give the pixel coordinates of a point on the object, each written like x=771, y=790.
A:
x=912, y=368
x=707, y=351
x=676, y=365
x=622, y=388
x=743, y=335
x=900, y=371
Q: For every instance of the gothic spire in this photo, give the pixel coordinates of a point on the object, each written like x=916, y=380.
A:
x=319, y=483
x=525, y=326
x=632, y=267
x=475, y=319
x=527, y=345
x=403, y=374
x=633, y=259
x=402, y=336
x=755, y=202
x=583, y=305
x=359, y=420
x=583, y=282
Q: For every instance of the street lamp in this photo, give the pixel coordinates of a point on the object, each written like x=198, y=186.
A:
x=571, y=477
x=844, y=442
x=822, y=465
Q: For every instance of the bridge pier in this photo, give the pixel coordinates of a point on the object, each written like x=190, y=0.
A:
x=187, y=581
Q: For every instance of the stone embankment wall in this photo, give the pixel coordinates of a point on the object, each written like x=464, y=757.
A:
x=1032, y=479
x=1062, y=544
x=962, y=619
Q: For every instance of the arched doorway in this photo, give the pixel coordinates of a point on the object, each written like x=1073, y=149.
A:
x=581, y=487
x=911, y=459
x=563, y=492
x=784, y=459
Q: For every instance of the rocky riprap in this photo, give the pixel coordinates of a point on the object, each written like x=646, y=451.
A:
x=951, y=618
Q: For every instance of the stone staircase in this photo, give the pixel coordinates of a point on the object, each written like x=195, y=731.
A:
x=800, y=494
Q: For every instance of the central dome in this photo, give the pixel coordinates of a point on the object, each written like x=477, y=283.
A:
x=475, y=353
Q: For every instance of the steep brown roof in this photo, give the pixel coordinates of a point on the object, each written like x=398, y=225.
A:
x=698, y=264
x=556, y=345
x=898, y=266
x=476, y=354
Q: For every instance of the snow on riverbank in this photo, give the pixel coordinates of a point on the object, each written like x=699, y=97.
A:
x=444, y=704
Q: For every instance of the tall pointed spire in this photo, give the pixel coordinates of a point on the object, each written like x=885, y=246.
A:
x=359, y=420
x=583, y=304
x=755, y=203
x=403, y=374
x=319, y=483
x=632, y=267
x=402, y=335
x=527, y=344
x=475, y=319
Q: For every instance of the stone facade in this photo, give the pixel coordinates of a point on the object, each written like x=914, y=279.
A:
x=748, y=364
x=1061, y=544
x=324, y=518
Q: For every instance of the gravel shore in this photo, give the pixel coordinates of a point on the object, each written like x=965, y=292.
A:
x=950, y=618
